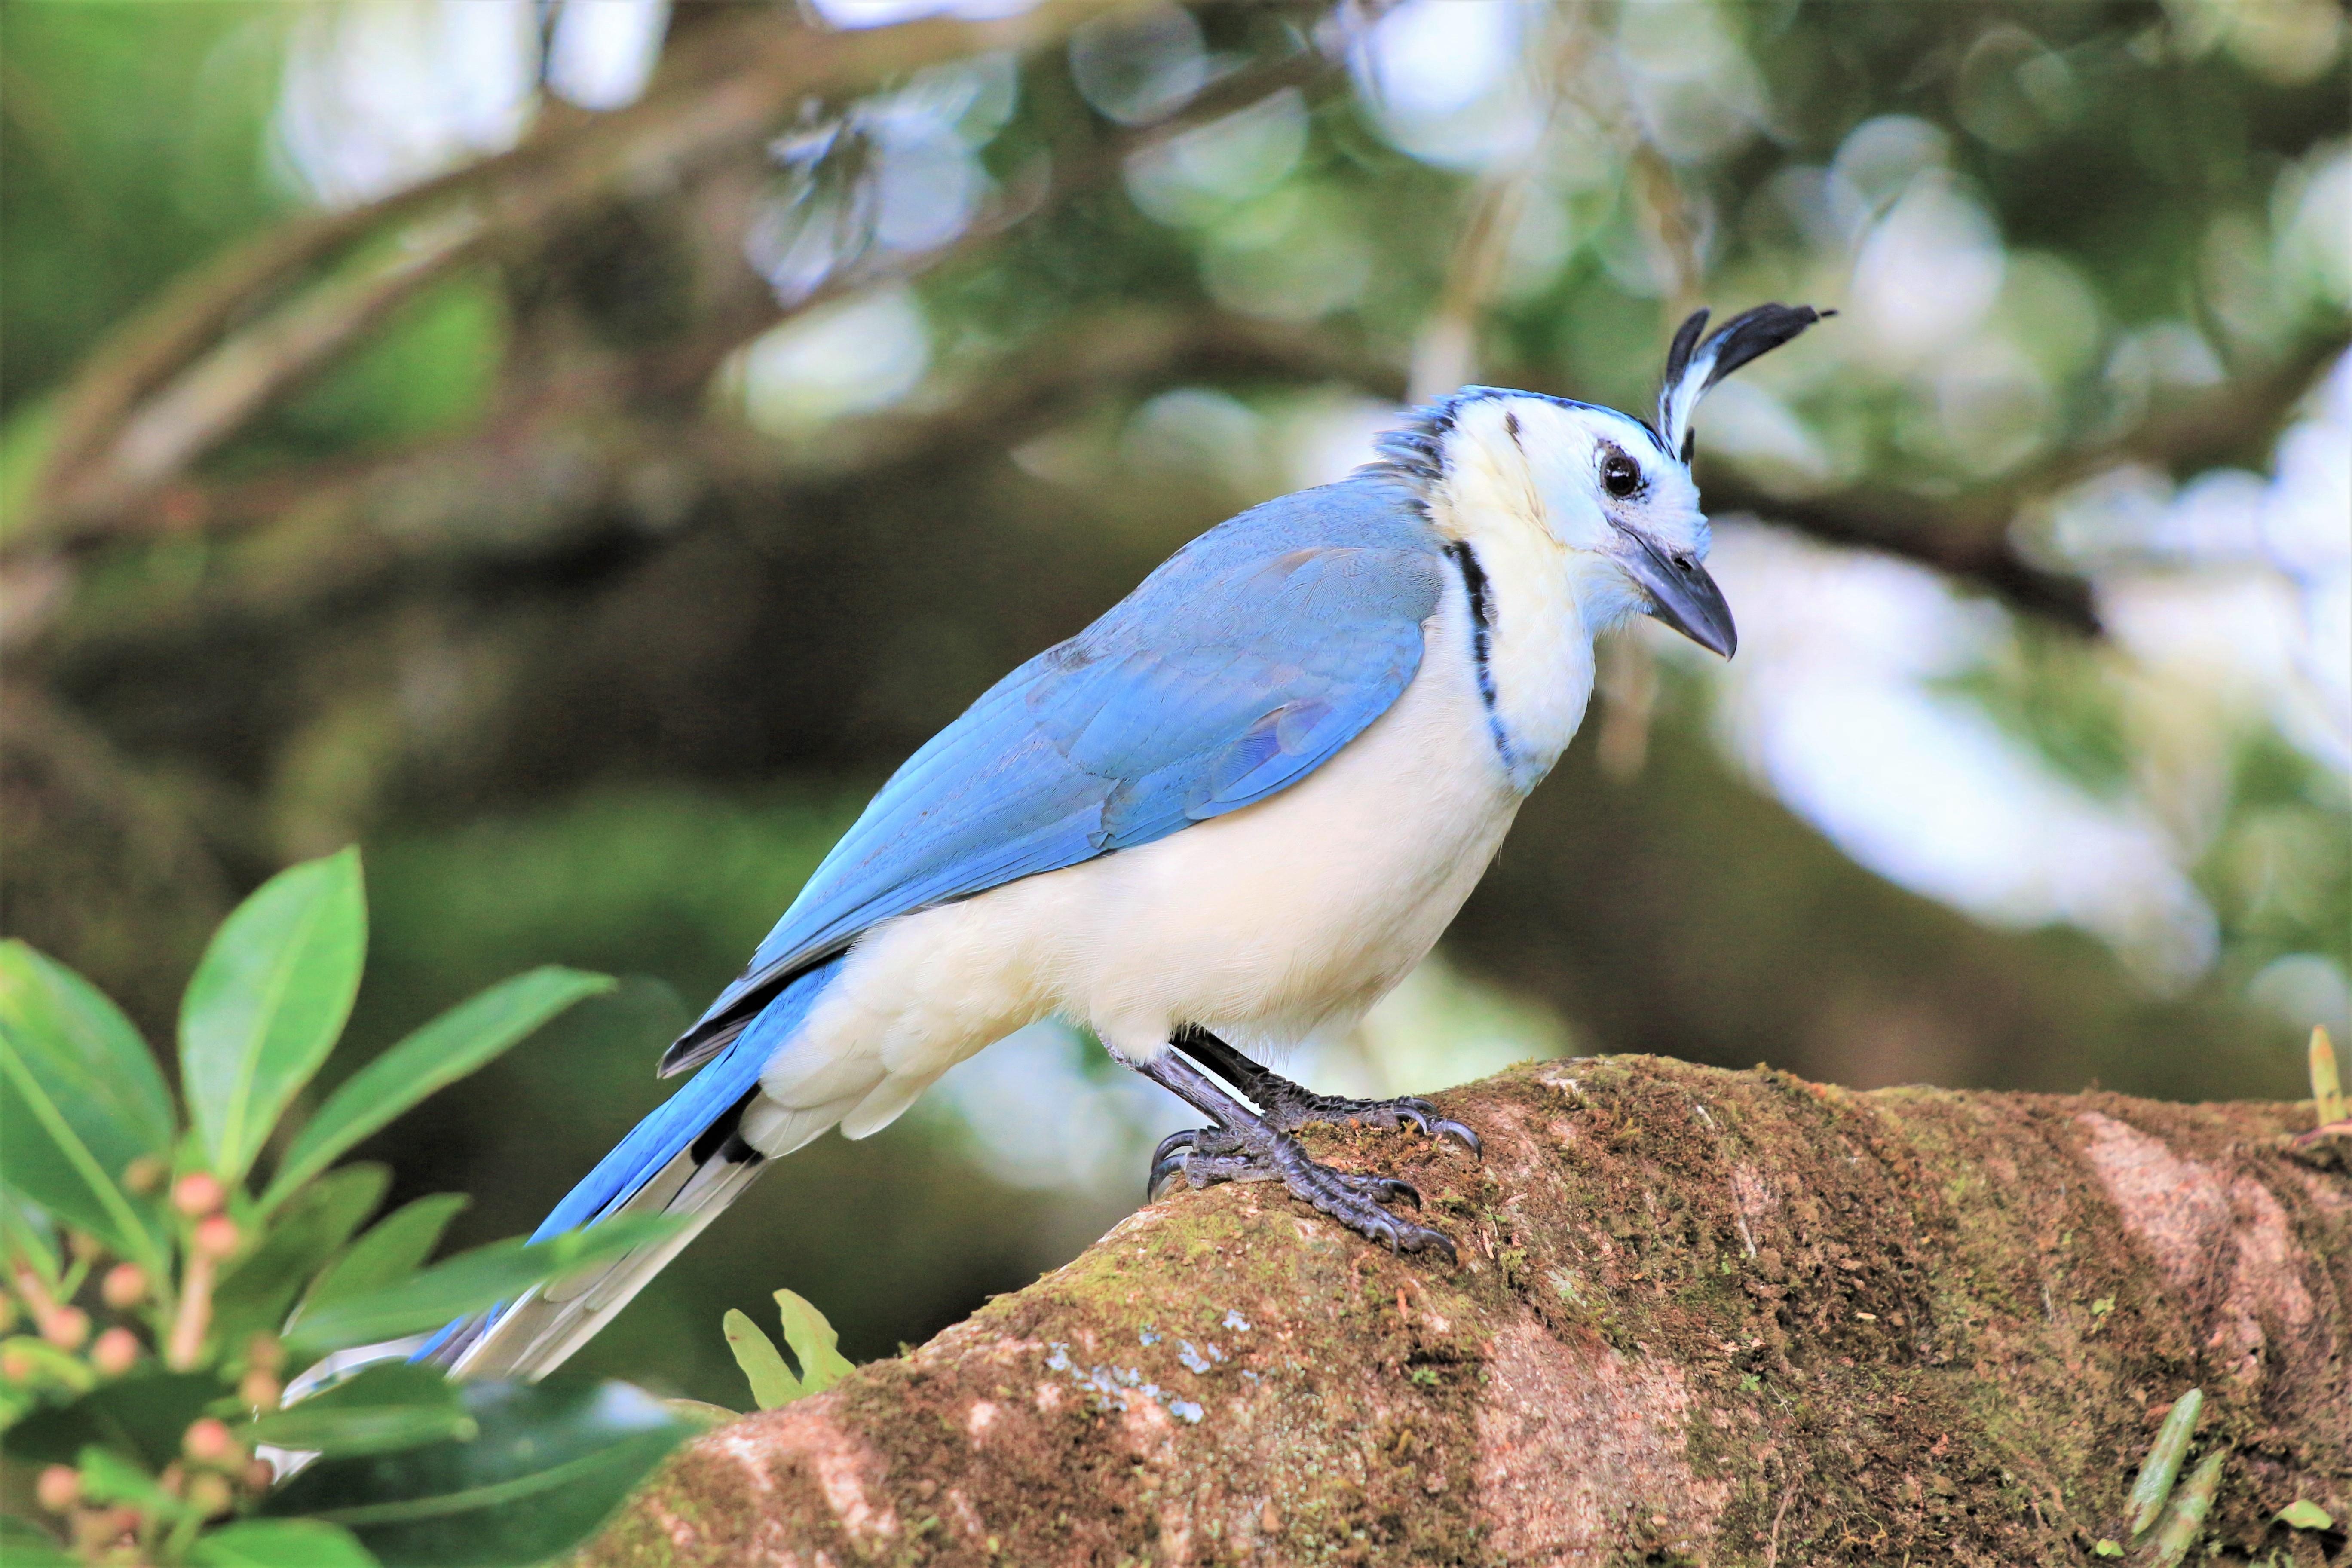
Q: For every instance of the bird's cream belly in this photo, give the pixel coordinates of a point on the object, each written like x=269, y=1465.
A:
x=1266, y=924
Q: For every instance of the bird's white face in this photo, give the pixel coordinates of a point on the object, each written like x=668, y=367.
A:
x=1617, y=507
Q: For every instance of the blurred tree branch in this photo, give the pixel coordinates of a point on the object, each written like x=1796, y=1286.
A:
x=187, y=375
x=164, y=391
x=487, y=494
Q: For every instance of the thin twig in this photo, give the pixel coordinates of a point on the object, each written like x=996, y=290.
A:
x=1772, y=1544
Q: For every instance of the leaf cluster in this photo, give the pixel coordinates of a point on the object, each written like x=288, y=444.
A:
x=167, y=1283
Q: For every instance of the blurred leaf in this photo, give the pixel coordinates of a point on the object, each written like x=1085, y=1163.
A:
x=54, y=1368
x=24, y=448
x=260, y=1291
x=23, y=1546
x=42, y=996
x=394, y=1248
x=81, y=1098
x=468, y=1037
x=267, y=1003
x=552, y=1459
x=108, y=1477
x=381, y=1410
x=144, y=1415
x=812, y=1341
x=469, y=1282
x=2304, y=1514
x=281, y=1544
x=27, y=1237
x=429, y=367
x=772, y=1382
x=2326, y=1085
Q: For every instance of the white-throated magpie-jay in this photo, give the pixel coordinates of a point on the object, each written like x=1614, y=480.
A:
x=1233, y=812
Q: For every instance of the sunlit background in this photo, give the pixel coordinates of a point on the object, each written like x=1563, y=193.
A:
x=608, y=439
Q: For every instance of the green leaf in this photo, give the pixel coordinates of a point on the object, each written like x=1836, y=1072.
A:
x=282, y=1543
x=552, y=1459
x=394, y=1249
x=42, y=997
x=812, y=1341
x=2107, y=1548
x=772, y=1382
x=468, y=1037
x=381, y=1410
x=81, y=1098
x=2304, y=1514
x=258, y=1294
x=143, y=1415
x=267, y=1003
x=27, y=1238
x=51, y=1366
x=468, y=1283
x=2184, y=1525
x=2162, y=1466
x=23, y=1546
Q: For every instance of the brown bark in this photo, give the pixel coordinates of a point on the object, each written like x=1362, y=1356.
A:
x=1700, y=1317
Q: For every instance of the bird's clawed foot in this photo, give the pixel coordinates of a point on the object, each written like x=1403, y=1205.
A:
x=1290, y=1108
x=1208, y=1155
x=1287, y=1107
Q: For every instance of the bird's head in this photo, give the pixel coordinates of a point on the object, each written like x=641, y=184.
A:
x=1610, y=494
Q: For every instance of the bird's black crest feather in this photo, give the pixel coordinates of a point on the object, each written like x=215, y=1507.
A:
x=1751, y=333
x=1678, y=357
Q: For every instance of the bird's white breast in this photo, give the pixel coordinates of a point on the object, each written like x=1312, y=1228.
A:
x=1266, y=925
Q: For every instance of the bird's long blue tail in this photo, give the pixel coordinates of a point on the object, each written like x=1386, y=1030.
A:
x=685, y=1158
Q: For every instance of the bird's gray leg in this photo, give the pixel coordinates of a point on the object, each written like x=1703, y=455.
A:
x=1288, y=1107
x=1242, y=1147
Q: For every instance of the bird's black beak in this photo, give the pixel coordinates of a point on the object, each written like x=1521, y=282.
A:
x=1681, y=594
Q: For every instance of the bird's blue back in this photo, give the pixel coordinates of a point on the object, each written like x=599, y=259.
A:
x=1236, y=669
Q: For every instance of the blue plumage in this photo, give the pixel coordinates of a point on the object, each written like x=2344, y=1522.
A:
x=681, y=1119
x=1235, y=668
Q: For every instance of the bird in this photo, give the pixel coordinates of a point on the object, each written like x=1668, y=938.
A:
x=1230, y=815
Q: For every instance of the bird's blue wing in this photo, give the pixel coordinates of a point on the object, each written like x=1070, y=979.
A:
x=1233, y=670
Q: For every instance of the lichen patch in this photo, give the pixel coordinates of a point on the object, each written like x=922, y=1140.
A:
x=1577, y=1442
x=2222, y=1243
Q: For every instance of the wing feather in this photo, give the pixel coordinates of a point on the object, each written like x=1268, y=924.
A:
x=1232, y=671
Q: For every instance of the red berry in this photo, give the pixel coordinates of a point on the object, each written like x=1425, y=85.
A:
x=59, y=1489
x=207, y=1442
x=216, y=1236
x=124, y=1287
x=66, y=1328
x=116, y=1352
x=198, y=1194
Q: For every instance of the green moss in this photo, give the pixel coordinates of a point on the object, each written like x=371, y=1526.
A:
x=1861, y=1327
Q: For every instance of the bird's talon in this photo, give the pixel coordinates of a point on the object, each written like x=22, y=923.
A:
x=1173, y=1141
x=1447, y=1128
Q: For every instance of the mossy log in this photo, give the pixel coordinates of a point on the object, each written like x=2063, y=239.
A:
x=1699, y=1317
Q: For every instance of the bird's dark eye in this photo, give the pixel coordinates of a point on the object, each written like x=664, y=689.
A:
x=1620, y=474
